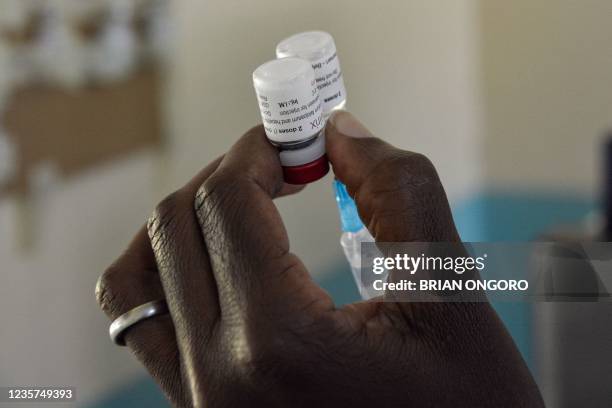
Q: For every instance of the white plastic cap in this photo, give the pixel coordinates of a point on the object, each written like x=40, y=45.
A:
x=287, y=74
x=310, y=45
x=288, y=99
x=319, y=48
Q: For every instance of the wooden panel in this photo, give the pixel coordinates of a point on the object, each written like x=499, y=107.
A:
x=80, y=129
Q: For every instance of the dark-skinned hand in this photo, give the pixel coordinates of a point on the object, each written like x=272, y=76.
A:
x=248, y=327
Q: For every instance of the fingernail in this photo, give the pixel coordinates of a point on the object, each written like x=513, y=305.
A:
x=348, y=125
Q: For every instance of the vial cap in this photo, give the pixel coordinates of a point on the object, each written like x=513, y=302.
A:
x=349, y=216
x=310, y=45
x=306, y=173
x=283, y=74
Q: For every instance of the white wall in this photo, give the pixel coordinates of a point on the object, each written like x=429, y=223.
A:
x=52, y=330
x=547, y=90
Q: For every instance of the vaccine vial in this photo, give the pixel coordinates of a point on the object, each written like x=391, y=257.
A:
x=319, y=48
x=292, y=115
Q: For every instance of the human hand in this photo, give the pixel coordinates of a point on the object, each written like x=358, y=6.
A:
x=249, y=327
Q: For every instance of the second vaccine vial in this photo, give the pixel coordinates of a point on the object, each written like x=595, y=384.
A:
x=319, y=48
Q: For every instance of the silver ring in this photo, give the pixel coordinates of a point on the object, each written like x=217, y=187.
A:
x=120, y=325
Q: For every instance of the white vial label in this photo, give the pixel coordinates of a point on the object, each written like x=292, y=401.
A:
x=330, y=82
x=319, y=48
x=288, y=100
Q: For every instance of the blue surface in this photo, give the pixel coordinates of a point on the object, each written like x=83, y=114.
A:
x=496, y=216
x=517, y=216
x=512, y=216
x=141, y=393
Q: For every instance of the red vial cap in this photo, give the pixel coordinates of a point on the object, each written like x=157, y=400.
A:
x=307, y=173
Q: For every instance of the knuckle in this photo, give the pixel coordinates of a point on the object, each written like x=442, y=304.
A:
x=279, y=352
x=163, y=215
x=204, y=194
x=405, y=175
x=217, y=207
x=411, y=174
x=422, y=162
x=405, y=199
x=171, y=217
x=124, y=285
x=215, y=186
x=270, y=349
x=216, y=193
x=266, y=355
x=415, y=170
x=256, y=344
x=107, y=291
x=402, y=172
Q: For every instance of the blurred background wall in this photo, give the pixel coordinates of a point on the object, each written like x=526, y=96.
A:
x=545, y=66
x=546, y=110
x=508, y=99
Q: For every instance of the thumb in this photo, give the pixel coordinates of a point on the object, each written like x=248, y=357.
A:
x=398, y=193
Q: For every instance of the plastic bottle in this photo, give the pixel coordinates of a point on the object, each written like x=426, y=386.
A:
x=354, y=233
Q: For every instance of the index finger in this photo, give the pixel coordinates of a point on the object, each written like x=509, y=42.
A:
x=244, y=233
